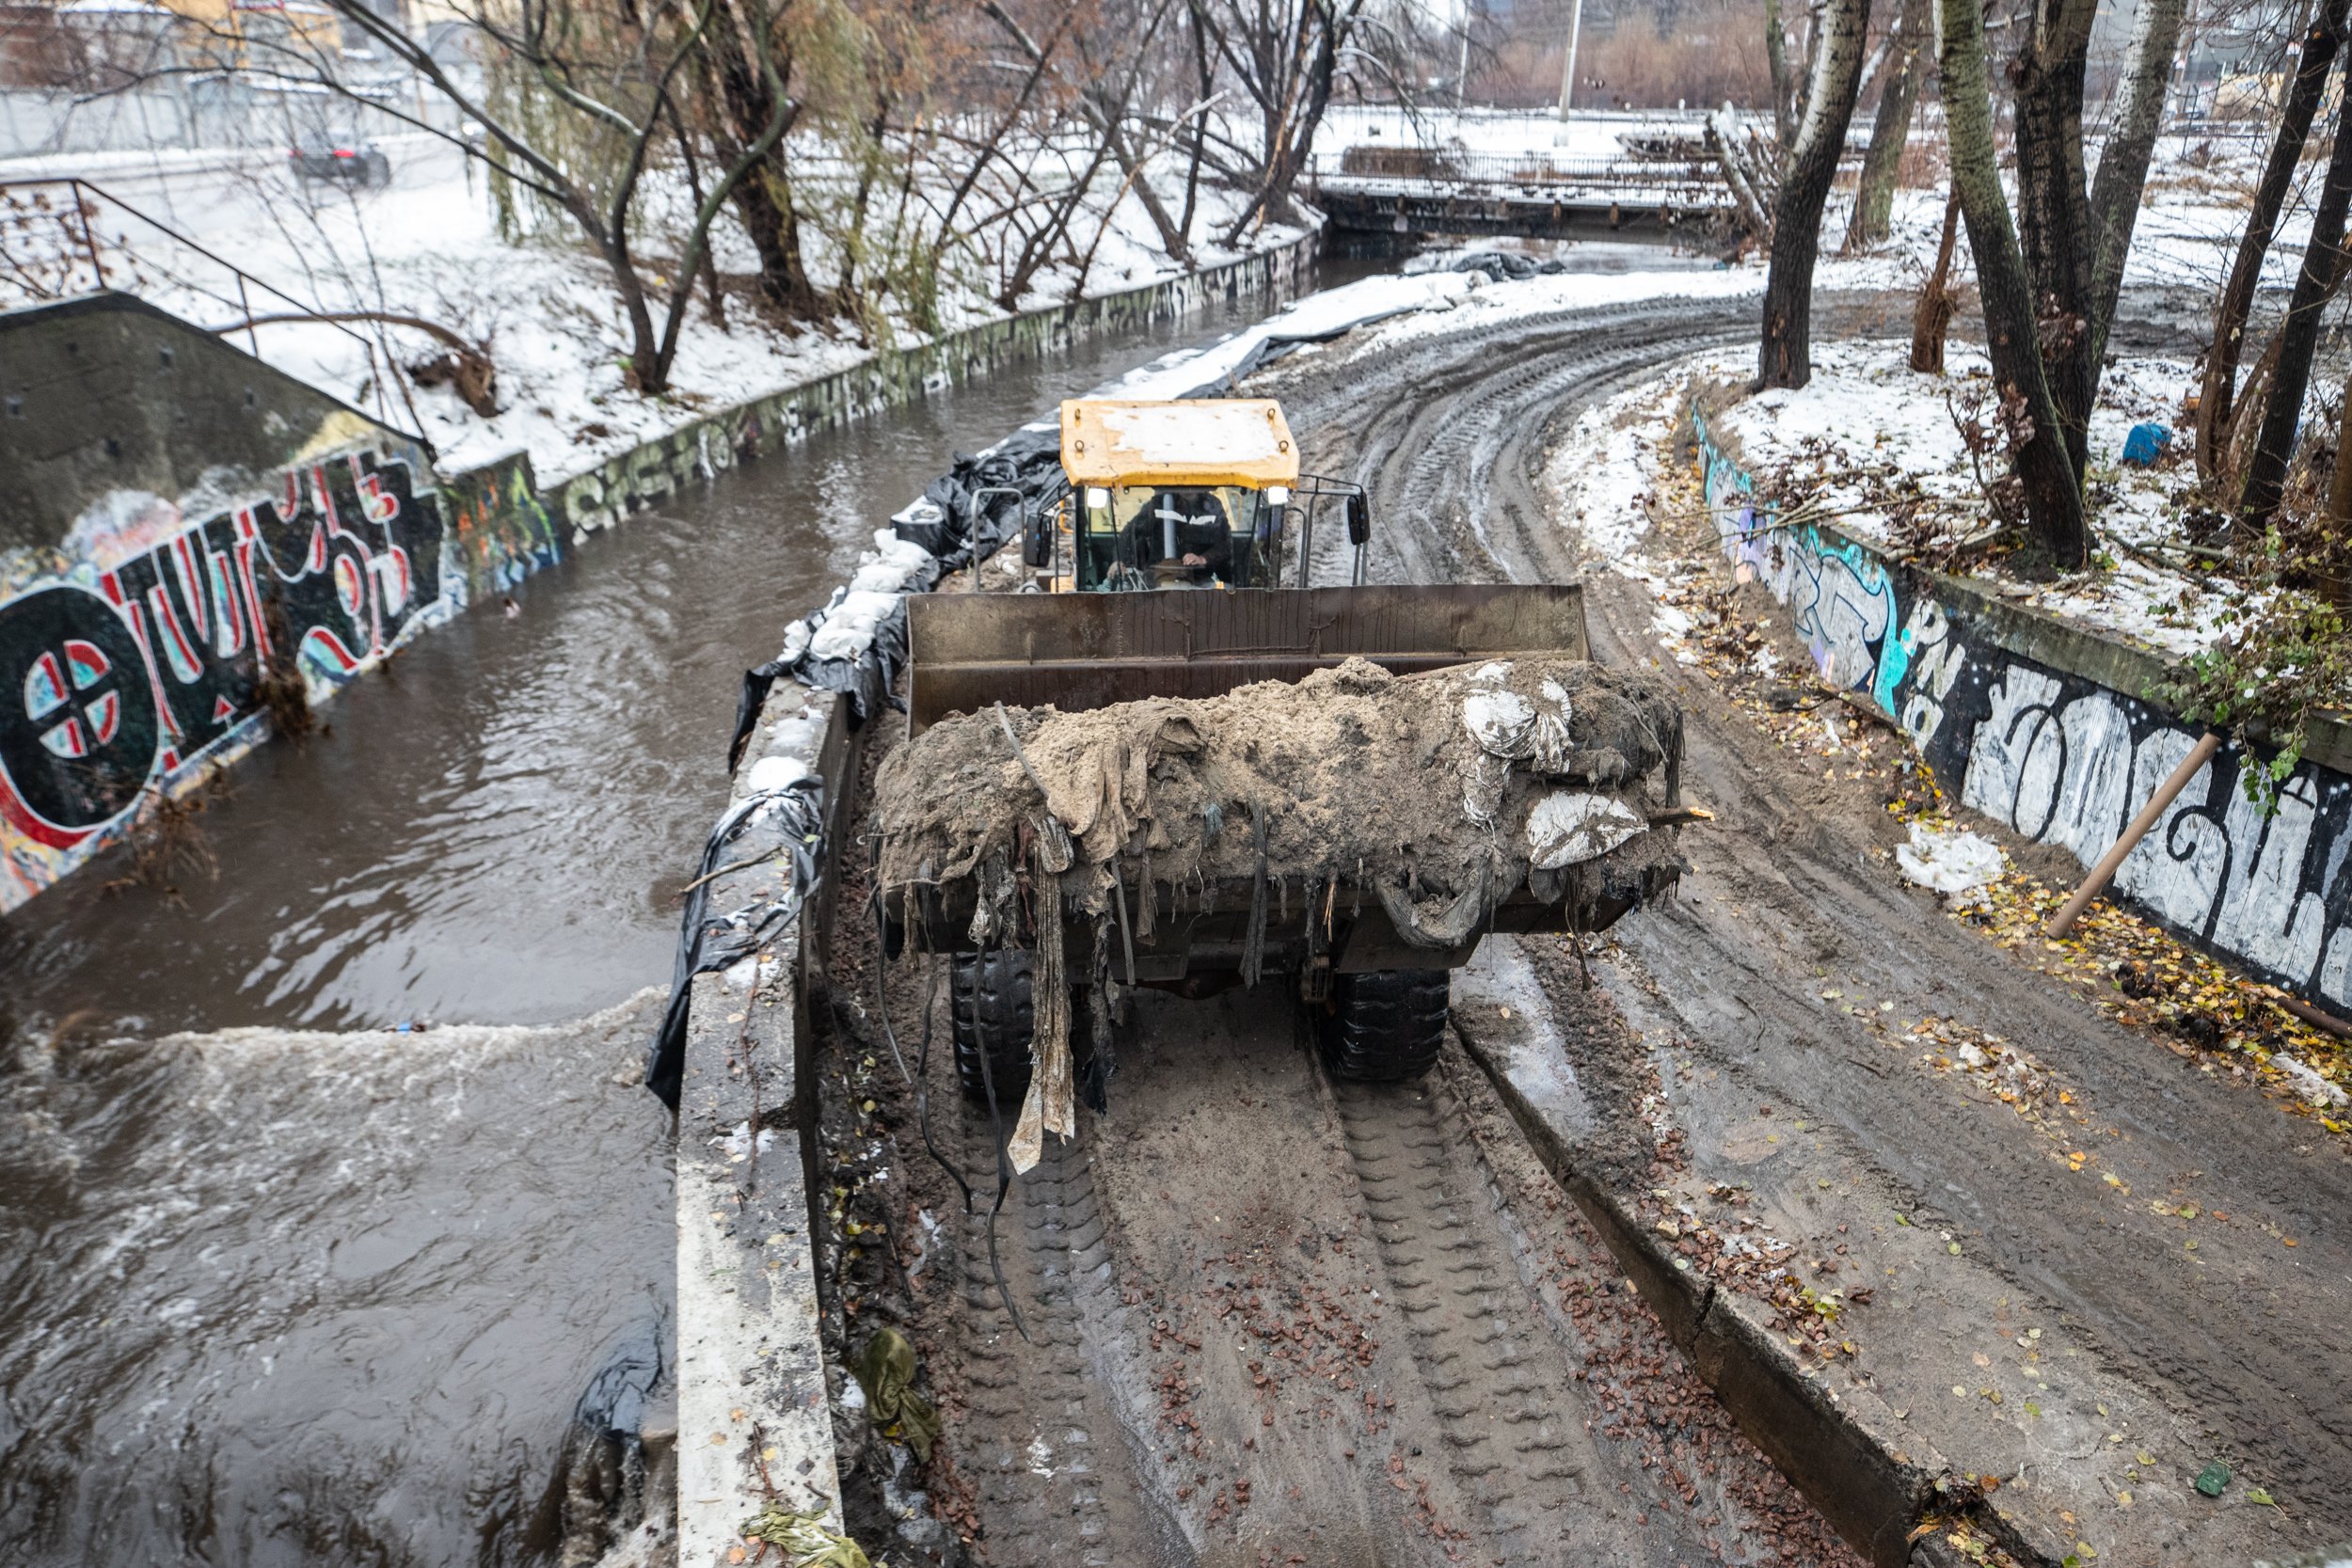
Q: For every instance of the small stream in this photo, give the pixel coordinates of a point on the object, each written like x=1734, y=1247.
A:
x=336, y=1228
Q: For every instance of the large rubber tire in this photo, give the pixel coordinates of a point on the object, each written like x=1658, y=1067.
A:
x=990, y=997
x=1387, y=1026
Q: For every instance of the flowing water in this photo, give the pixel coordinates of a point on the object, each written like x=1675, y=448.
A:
x=333, y=1227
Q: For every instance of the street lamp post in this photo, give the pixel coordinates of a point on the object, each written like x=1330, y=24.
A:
x=1567, y=71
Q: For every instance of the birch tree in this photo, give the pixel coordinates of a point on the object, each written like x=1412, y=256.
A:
x=1785, y=358
x=2299, y=335
x=2123, y=178
x=2218, y=398
x=1890, y=129
x=2053, y=490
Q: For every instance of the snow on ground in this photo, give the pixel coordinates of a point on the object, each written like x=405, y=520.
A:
x=175, y=227
x=1864, y=420
x=1867, y=419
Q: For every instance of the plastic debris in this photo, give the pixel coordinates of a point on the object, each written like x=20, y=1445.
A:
x=886, y=1374
x=2213, y=1478
x=1953, y=861
x=2314, y=1089
x=805, y=1538
x=2145, y=444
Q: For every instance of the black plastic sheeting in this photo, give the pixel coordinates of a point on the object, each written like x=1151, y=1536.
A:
x=794, y=817
x=957, y=526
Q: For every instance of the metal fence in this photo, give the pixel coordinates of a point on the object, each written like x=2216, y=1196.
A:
x=60, y=238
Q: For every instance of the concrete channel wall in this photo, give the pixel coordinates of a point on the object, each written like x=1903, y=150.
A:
x=178, y=519
x=2047, y=729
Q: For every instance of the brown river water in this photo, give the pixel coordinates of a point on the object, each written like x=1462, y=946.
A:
x=282, y=1282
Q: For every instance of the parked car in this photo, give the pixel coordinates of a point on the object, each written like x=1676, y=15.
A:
x=341, y=157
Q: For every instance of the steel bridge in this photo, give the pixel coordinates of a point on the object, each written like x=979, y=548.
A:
x=1664, y=184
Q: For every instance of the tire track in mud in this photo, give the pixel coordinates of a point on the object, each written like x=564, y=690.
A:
x=1449, y=433
x=1788, y=852
x=1510, y=1420
x=1275, y=1319
x=1046, y=1456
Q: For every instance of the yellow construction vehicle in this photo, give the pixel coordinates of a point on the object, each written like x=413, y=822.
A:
x=1484, y=778
x=1203, y=493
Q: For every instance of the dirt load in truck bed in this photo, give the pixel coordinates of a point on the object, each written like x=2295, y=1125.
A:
x=1440, y=794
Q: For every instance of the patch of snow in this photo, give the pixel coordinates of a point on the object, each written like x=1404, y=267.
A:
x=2314, y=1089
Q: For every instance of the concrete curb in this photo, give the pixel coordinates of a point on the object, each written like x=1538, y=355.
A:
x=1838, y=1448
x=754, y=1407
x=1898, y=1424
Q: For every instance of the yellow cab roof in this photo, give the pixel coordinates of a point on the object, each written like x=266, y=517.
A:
x=1200, y=441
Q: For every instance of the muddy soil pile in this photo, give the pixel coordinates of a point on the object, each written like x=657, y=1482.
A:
x=1440, y=794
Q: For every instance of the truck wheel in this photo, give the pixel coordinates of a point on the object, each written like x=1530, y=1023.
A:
x=1386, y=1026
x=988, y=997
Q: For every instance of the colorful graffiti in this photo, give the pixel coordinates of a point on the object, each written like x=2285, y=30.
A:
x=2062, y=760
x=131, y=653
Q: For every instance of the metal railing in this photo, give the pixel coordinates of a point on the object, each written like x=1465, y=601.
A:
x=38, y=277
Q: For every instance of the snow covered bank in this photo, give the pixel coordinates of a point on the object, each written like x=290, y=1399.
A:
x=435, y=244
x=2030, y=702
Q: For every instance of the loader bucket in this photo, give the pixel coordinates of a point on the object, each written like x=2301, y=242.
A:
x=1081, y=651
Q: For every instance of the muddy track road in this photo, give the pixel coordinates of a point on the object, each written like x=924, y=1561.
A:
x=1275, y=1320
x=1781, y=893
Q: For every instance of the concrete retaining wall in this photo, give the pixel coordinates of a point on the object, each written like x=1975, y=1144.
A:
x=176, y=517
x=2046, y=728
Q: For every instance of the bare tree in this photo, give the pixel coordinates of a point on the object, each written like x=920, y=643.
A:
x=1785, y=358
x=2122, y=177
x=2217, y=399
x=1784, y=92
x=2299, y=335
x=2052, y=492
x=602, y=85
x=2054, y=206
x=1890, y=129
x=1284, y=55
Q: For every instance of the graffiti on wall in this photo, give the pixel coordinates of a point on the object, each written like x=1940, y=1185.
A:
x=2062, y=760
x=131, y=653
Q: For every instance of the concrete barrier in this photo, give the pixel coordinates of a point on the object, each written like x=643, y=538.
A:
x=2046, y=728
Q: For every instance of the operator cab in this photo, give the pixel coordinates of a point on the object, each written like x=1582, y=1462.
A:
x=1193, y=494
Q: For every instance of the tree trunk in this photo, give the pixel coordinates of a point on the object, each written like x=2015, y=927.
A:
x=1890, y=131
x=1933, y=318
x=774, y=230
x=2220, y=392
x=1776, y=62
x=2339, y=485
x=2299, y=335
x=2054, y=501
x=2053, y=206
x=2123, y=178
x=1786, y=355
